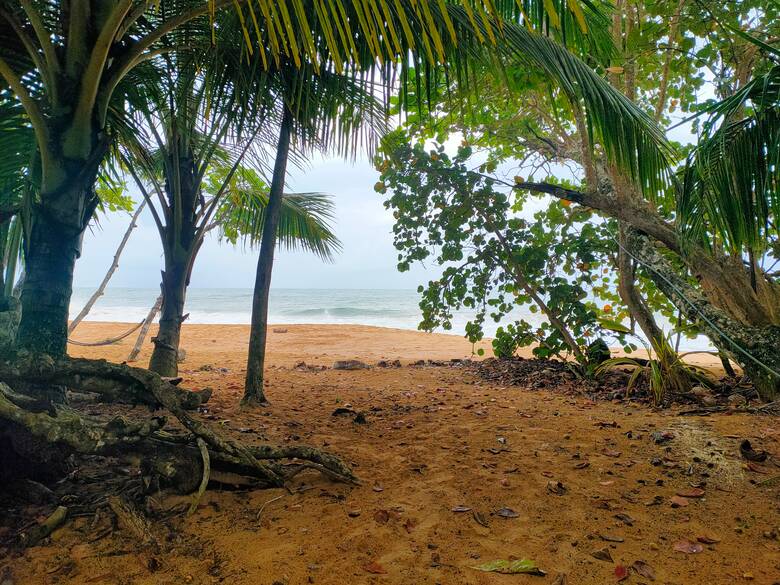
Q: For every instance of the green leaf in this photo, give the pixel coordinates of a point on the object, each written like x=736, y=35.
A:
x=614, y=326
x=524, y=566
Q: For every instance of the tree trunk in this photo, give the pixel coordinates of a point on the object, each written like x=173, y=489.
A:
x=114, y=265
x=165, y=355
x=253, y=388
x=639, y=310
x=51, y=257
x=755, y=348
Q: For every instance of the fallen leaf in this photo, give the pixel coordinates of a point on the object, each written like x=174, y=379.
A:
x=409, y=525
x=556, y=487
x=506, y=513
x=582, y=465
x=378, y=488
x=688, y=547
x=461, y=509
x=621, y=572
x=606, y=483
x=560, y=579
x=480, y=519
x=625, y=519
x=644, y=570
x=524, y=566
x=708, y=539
x=678, y=502
x=611, y=453
x=691, y=493
x=381, y=516
x=747, y=451
x=375, y=568
x=611, y=538
x=602, y=554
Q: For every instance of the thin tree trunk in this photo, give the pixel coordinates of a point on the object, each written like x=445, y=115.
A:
x=253, y=389
x=165, y=355
x=639, y=310
x=111, y=269
x=145, y=329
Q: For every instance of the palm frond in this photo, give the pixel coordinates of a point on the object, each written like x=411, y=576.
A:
x=305, y=222
x=730, y=185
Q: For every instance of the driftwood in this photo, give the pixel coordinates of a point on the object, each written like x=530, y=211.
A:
x=131, y=520
x=111, y=269
x=139, y=342
x=109, y=341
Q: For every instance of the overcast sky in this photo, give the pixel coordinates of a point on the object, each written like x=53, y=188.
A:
x=368, y=259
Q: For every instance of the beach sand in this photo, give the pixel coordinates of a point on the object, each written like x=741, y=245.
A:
x=441, y=455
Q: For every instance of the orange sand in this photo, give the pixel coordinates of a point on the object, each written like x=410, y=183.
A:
x=437, y=438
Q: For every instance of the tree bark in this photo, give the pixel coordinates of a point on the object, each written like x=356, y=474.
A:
x=165, y=355
x=639, y=310
x=253, y=388
x=755, y=348
x=51, y=257
x=114, y=265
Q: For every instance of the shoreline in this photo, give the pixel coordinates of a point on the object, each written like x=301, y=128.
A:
x=315, y=343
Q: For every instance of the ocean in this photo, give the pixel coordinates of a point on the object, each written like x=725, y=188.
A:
x=396, y=308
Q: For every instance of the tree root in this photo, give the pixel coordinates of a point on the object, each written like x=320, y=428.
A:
x=117, y=383
x=183, y=461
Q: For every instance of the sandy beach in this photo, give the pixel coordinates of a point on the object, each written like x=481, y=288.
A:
x=454, y=471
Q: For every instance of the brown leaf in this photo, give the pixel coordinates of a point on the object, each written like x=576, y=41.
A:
x=556, y=487
x=381, y=516
x=602, y=554
x=708, y=539
x=688, y=547
x=560, y=579
x=621, y=572
x=506, y=513
x=409, y=525
x=375, y=568
x=625, y=519
x=691, y=493
x=480, y=519
x=582, y=465
x=378, y=488
x=461, y=509
x=678, y=501
x=611, y=453
x=644, y=570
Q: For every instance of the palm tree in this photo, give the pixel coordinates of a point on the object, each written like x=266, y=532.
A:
x=322, y=111
x=192, y=149
x=70, y=64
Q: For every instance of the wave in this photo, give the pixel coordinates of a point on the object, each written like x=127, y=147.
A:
x=345, y=312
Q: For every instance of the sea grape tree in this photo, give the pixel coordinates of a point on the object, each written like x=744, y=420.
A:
x=499, y=257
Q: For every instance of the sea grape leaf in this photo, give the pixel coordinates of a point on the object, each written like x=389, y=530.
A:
x=506, y=567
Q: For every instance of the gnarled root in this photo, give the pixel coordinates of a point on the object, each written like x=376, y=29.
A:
x=171, y=457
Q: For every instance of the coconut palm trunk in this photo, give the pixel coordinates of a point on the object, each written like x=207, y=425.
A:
x=53, y=246
x=253, y=388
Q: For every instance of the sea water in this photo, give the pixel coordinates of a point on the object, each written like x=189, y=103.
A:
x=397, y=308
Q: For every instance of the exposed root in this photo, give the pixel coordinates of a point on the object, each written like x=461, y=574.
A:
x=112, y=382
x=169, y=458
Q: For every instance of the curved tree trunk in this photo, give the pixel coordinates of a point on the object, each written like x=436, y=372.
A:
x=755, y=348
x=111, y=269
x=253, y=388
